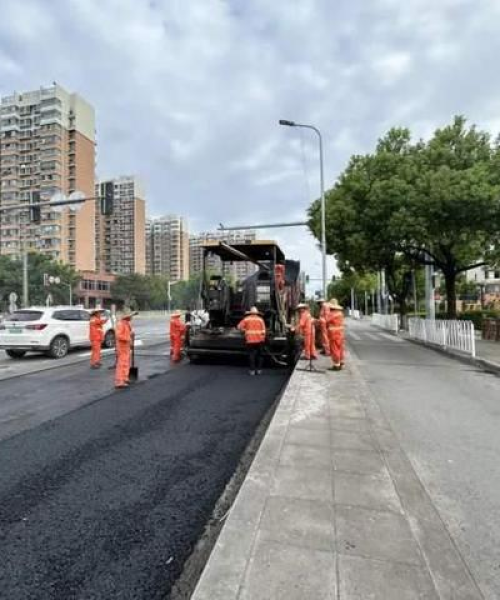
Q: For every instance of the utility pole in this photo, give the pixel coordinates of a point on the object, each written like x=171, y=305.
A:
x=25, y=260
x=415, y=299
x=383, y=292
x=430, y=307
x=322, y=200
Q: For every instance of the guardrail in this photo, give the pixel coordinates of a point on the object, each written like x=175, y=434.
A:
x=389, y=322
x=455, y=335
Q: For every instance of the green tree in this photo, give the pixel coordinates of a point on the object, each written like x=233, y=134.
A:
x=133, y=290
x=417, y=203
x=186, y=293
x=361, y=283
x=11, y=279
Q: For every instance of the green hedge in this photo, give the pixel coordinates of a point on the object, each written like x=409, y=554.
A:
x=478, y=316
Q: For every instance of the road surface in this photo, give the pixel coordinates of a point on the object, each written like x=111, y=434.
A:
x=108, y=500
x=447, y=417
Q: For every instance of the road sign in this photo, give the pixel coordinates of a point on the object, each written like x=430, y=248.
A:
x=55, y=280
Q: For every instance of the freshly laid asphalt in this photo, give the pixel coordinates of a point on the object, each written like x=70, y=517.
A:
x=109, y=500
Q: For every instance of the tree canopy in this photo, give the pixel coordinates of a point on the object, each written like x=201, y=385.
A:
x=11, y=279
x=412, y=203
x=150, y=292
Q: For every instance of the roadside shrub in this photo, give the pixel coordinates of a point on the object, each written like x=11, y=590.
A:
x=478, y=316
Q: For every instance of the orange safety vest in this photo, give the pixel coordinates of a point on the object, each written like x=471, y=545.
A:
x=335, y=321
x=124, y=332
x=324, y=311
x=177, y=327
x=96, y=333
x=254, y=328
x=305, y=323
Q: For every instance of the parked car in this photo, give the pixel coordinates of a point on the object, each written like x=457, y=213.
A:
x=53, y=330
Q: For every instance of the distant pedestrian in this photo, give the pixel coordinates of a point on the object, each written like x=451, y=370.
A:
x=124, y=340
x=336, y=337
x=96, y=336
x=187, y=316
x=177, y=331
x=254, y=328
x=306, y=329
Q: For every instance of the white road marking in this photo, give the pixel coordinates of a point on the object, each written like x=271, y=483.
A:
x=372, y=336
x=354, y=336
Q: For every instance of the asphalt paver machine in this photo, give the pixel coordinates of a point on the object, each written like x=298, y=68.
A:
x=274, y=288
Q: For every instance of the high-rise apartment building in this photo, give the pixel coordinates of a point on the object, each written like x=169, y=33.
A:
x=121, y=236
x=238, y=270
x=47, y=146
x=167, y=242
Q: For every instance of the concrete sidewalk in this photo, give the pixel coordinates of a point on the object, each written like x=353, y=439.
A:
x=488, y=350
x=332, y=509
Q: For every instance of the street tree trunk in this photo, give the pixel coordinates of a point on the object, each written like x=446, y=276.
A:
x=451, y=293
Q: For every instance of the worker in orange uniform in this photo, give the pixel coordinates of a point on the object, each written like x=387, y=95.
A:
x=336, y=337
x=124, y=339
x=306, y=329
x=177, y=330
x=96, y=336
x=254, y=328
x=324, y=311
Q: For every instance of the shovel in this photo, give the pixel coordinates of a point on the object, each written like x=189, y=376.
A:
x=133, y=372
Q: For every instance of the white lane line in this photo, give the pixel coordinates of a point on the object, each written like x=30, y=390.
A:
x=354, y=336
x=372, y=336
x=391, y=338
x=111, y=350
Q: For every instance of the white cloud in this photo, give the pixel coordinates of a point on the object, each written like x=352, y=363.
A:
x=188, y=94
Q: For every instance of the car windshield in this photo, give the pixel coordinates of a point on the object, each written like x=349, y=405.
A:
x=26, y=315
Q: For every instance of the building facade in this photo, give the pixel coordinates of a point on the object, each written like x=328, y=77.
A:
x=167, y=242
x=94, y=289
x=121, y=236
x=487, y=281
x=237, y=270
x=47, y=147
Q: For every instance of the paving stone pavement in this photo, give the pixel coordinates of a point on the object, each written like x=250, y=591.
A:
x=331, y=509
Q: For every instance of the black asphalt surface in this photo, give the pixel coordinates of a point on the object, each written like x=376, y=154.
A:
x=108, y=501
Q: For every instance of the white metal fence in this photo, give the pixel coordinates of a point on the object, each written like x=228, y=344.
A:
x=389, y=322
x=457, y=335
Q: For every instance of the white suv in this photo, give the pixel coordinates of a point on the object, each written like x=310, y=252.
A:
x=53, y=330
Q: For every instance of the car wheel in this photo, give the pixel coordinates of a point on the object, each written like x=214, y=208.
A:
x=15, y=353
x=59, y=347
x=109, y=340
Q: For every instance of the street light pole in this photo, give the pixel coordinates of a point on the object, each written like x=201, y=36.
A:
x=25, y=260
x=170, y=284
x=322, y=187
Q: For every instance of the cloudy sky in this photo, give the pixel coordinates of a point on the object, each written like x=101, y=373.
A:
x=188, y=93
